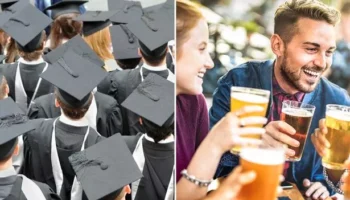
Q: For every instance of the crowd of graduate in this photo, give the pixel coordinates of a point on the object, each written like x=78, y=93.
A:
x=87, y=111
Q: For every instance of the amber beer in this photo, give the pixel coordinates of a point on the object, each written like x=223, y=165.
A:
x=299, y=116
x=240, y=97
x=268, y=166
x=338, y=135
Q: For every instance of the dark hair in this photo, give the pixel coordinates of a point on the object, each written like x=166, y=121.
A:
x=12, y=52
x=64, y=27
x=155, y=57
x=345, y=9
x=34, y=55
x=7, y=149
x=156, y=132
x=128, y=63
x=3, y=86
x=288, y=14
x=73, y=113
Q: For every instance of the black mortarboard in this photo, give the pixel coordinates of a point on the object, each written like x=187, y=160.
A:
x=65, y=7
x=128, y=11
x=79, y=46
x=153, y=99
x=94, y=21
x=29, y=20
x=13, y=123
x=7, y=3
x=105, y=168
x=75, y=77
x=153, y=31
x=125, y=44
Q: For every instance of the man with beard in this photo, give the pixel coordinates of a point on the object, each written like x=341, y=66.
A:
x=303, y=41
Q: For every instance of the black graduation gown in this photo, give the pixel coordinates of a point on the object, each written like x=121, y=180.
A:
x=170, y=63
x=30, y=76
x=14, y=184
x=108, y=119
x=104, y=86
x=37, y=153
x=159, y=164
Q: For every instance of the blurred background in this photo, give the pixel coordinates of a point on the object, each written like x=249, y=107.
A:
x=240, y=31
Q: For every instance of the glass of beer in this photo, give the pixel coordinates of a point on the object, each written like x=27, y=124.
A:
x=267, y=162
x=242, y=96
x=338, y=135
x=299, y=116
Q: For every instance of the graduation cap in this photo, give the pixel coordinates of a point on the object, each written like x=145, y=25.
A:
x=125, y=44
x=29, y=20
x=75, y=77
x=153, y=32
x=105, y=168
x=10, y=10
x=64, y=7
x=77, y=45
x=7, y=3
x=128, y=11
x=94, y=21
x=13, y=123
x=153, y=99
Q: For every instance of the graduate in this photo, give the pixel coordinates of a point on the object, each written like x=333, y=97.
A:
x=47, y=148
x=23, y=76
x=14, y=123
x=153, y=150
x=106, y=169
x=104, y=114
x=153, y=36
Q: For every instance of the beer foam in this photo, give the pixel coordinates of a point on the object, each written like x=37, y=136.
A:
x=263, y=156
x=252, y=98
x=297, y=112
x=339, y=115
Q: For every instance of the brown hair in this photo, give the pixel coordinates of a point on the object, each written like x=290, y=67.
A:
x=288, y=14
x=100, y=42
x=3, y=86
x=34, y=55
x=187, y=16
x=345, y=9
x=73, y=113
x=3, y=40
x=12, y=52
x=64, y=27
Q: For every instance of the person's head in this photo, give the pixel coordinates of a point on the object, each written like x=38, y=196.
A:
x=8, y=150
x=345, y=21
x=4, y=88
x=36, y=48
x=192, y=39
x=128, y=63
x=304, y=40
x=74, y=113
x=118, y=195
x=101, y=43
x=155, y=57
x=156, y=132
x=64, y=28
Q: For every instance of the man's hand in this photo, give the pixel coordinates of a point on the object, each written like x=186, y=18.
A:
x=278, y=132
x=319, y=138
x=315, y=190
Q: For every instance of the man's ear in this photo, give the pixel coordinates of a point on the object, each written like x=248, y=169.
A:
x=277, y=45
x=140, y=120
x=57, y=104
x=16, y=150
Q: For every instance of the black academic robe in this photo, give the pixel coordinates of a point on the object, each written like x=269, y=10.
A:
x=170, y=63
x=159, y=164
x=104, y=86
x=13, y=185
x=108, y=119
x=37, y=153
x=30, y=76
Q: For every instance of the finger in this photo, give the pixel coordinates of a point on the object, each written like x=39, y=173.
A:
x=234, y=174
x=249, y=109
x=279, y=190
x=321, y=138
x=325, y=194
x=252, y=121
x=250, y=131
x=281, y=178
x=322, y=126
x=290, y=152
x=306, y=183
x=320, y=193
x=247, y=141
x=288, y=140
x=285, y=128
x=246, y=177
x=270, y=141
x=313, y=188
x=319, y=148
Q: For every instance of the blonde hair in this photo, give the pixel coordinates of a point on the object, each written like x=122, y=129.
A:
x=288, y=14
x=100, y=42
x=187, y=17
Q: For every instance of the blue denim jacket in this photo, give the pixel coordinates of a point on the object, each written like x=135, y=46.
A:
x=259, y=75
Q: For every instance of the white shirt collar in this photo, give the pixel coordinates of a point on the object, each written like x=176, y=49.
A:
x=8, y=172
x=77, y=123
x=34, y=62
x=151, y=68
x=169, y=139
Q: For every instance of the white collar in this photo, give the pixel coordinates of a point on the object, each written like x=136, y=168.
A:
x=169, y=139
x=34, y=62
x=8, y=172
x=77, y=123
x=151, y=68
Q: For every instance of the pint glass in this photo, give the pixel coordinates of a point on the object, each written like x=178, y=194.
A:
x=299, y=116
x=338, y=135
x=268, y=166
x=241, y=97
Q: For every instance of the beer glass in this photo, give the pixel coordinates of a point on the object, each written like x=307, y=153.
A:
x=268, y=165
x=299, y=116
x=338, y=135
x=241, y=97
